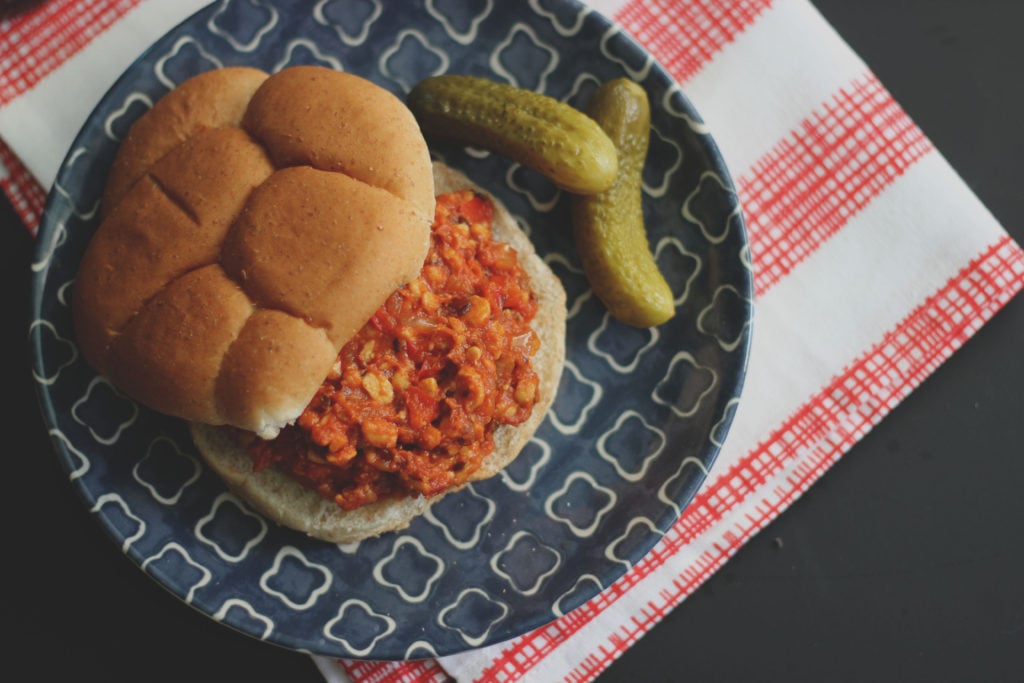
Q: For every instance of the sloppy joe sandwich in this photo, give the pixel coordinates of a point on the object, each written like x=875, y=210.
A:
x=350, y=330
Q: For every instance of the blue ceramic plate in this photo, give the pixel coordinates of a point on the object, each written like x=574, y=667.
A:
x=640, y=414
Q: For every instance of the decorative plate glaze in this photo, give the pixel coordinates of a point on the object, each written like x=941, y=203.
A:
x=637, y=423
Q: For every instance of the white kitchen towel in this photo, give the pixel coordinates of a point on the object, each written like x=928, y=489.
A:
x=873, y=263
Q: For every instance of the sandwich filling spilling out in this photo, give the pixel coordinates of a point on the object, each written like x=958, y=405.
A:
x=413, y=402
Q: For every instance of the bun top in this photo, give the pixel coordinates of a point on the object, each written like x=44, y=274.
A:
x=250, y=226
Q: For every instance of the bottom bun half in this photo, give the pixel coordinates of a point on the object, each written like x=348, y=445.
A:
x=282, y=500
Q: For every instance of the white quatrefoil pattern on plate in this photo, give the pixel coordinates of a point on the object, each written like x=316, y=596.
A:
x=636, y=425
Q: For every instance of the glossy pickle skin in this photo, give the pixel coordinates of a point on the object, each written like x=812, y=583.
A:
x=608, y=228
x=538, y=131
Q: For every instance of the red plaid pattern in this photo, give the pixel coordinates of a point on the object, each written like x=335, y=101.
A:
x=45, y=37
x=25, y=194
x=686, y=35
x=419, y=671
x=812, y=183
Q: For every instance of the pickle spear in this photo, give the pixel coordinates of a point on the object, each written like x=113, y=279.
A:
x=538, y=131
x=608, y=228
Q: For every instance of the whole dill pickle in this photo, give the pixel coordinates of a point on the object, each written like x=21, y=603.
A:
x=536, y=130
x=608, y=228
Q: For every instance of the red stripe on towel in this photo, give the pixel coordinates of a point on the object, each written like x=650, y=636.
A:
x=25, y=193
x=833, y=165
x=35, y=43
x=417, y=671
x=684, y=36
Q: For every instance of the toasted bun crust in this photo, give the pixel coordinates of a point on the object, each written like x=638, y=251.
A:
x=251, y=225
x=177, y=116
x=284, y=501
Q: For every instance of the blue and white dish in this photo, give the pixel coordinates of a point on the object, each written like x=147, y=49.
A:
x=637, y=423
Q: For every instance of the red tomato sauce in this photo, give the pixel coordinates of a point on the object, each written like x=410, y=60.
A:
x=412, y=403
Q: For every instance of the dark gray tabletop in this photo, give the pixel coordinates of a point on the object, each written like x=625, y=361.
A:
x=903, y=563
